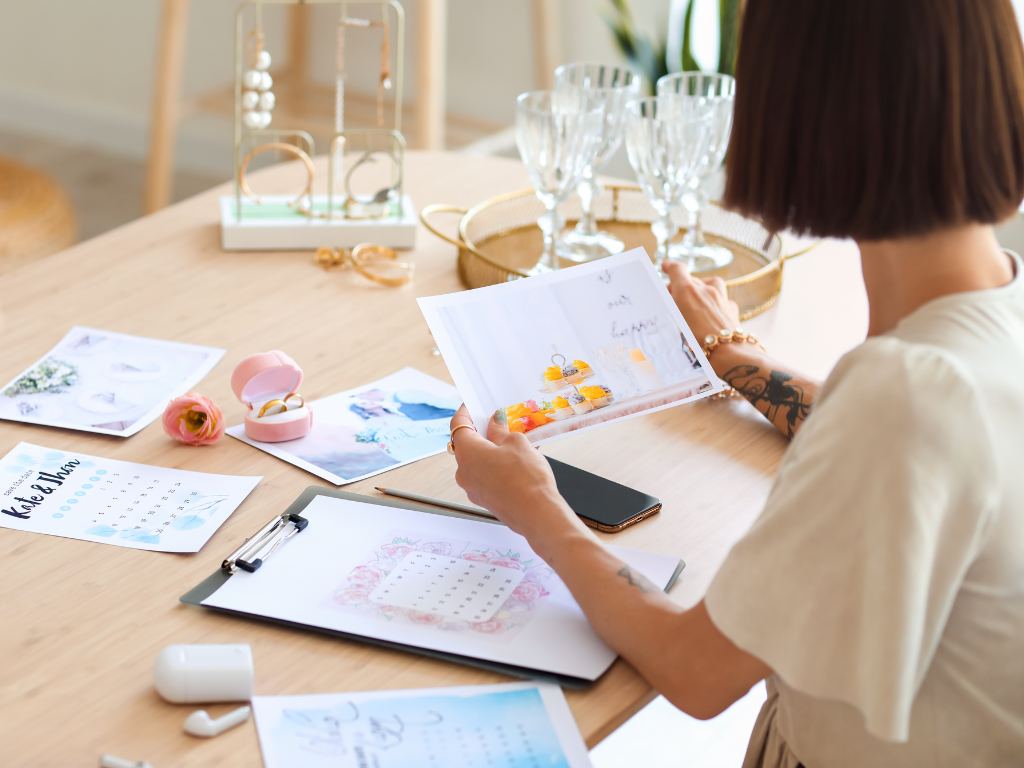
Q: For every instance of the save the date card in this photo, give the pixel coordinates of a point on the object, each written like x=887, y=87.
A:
x=65, y=493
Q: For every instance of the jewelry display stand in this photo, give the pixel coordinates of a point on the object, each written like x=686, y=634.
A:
x=343, y=214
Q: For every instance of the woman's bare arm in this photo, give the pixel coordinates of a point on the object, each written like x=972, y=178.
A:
x=678, y=651
x=782, y=395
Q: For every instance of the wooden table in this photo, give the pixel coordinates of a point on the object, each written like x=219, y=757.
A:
x=81, y=624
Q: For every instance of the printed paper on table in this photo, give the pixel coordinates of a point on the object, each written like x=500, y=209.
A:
x=71, y=494
x=432, y=581
x=515, y=725
x=105, y=382
x=370, y=429
x=571, y=349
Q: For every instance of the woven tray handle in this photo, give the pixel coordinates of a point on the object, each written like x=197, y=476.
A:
x=439, y=208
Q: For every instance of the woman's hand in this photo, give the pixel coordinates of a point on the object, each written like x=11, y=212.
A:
x=703, y=302
x=505, y=474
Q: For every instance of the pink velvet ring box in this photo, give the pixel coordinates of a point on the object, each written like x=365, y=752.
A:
x=264, y=377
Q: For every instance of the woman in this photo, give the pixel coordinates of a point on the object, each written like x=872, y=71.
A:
x=881, y=591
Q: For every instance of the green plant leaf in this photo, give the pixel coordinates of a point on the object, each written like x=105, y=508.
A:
x=728, y=35
x=688, y=62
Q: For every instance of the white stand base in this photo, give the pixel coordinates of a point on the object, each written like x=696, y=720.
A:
x=261, y=230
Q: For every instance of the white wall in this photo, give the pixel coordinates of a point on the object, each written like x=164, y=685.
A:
x=83, y=71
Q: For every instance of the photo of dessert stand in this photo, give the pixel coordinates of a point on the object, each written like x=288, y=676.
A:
x=616, y=408
x=572, y=398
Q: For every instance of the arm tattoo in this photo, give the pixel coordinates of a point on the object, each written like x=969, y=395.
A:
x=774, y=394
x=637, y=580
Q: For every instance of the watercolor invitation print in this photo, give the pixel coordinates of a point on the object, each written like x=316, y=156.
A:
x=571, y=349
x=515, y=725
x=477, y=589
x=71, y=494
x=369, y=429
x=105, y=382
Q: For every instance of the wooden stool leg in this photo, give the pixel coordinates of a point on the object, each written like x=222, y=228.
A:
x=546, y=54
x=430, y=73
x=164, y=109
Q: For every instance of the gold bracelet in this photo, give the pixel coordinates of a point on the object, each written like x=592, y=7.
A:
x=243, y=183
x=736, y=336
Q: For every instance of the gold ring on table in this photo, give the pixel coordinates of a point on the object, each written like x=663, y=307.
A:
x=280, y=146
x=451, y=439
x=270, y=404
x=362, y=258
x=367, y=254
x=291, y=396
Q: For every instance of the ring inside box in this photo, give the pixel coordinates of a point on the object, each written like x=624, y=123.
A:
x=268, y=384
x=290, y=413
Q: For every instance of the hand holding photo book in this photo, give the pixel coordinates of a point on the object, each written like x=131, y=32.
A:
x=570, y=349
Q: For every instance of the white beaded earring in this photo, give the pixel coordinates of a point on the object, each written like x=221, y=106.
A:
x=257, y=98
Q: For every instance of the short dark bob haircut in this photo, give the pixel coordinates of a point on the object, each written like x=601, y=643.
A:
x=877, y=119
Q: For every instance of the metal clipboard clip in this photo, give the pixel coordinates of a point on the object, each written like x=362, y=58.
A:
x=258, y=547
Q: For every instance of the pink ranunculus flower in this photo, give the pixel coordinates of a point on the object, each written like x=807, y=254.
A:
x=193, y=419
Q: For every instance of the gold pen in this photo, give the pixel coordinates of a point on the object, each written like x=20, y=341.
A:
x=453, y=505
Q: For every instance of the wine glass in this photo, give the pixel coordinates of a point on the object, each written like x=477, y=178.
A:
x=557, y=133
x=612, y=86
x=717, y=91
x=666, y=137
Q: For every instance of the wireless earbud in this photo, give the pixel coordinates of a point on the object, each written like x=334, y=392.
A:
x=113, y=761
x=200, y=724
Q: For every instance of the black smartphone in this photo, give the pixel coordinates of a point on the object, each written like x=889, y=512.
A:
x=602, y=503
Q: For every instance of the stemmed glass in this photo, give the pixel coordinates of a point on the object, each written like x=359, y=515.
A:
x=666, y=137
x=612, y=86
x=557, y=133
x=718, y=92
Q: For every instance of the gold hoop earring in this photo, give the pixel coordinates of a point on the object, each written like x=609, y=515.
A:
x=279, y=146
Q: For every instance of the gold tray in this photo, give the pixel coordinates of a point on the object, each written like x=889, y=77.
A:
x=498, y=240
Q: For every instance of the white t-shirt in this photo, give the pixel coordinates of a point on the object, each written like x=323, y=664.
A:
x=884, y=581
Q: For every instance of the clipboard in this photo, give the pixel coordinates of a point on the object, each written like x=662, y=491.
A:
x=274, y=533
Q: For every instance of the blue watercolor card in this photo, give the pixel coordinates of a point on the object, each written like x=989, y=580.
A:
x=370, y=429
x=519, y=725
